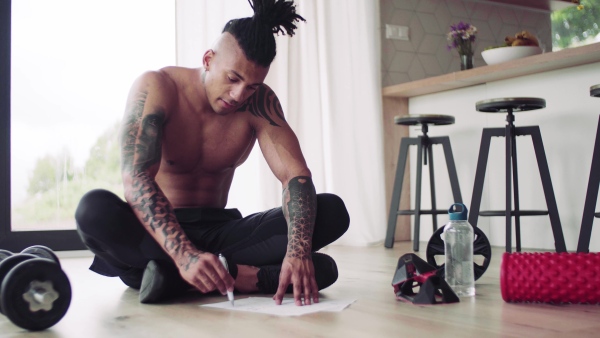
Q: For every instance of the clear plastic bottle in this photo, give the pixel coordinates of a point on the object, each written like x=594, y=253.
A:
x=458, y=243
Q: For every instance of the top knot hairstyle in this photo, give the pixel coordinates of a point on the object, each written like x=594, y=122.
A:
x=255, y=34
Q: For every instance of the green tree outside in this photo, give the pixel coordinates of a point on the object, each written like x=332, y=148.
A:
x=572, y=26
x=56, y=186
x=105, y=159
x=50, y=171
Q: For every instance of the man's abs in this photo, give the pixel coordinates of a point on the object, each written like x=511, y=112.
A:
x=193, y=190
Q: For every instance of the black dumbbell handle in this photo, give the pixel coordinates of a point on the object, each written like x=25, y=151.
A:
x=4, y=254
x=42, y=252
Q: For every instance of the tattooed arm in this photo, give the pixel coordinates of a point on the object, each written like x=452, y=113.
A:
x=300, y=210
x=282, y=152
x=141, y=144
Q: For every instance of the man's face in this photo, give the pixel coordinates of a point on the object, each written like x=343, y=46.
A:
x=229, y=77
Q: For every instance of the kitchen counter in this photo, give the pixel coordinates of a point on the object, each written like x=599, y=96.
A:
x=396, y=98
x=526, y=66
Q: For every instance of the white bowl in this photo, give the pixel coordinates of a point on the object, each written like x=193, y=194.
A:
x=504, y=54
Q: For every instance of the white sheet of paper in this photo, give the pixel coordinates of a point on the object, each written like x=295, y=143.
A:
x=287, y=307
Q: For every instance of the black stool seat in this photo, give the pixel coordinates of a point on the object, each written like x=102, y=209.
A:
x=591, y=196
x=516, y=104
x=424, y=145
x=412, y=120
x=509, y=106
x=595, y=90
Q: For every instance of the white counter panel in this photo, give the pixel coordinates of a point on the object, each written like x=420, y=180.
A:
x=568, y=125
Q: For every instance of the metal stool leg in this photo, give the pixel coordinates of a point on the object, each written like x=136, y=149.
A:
x=432, y=186
x=484, y=151
x=417, y=225
x=396, y=192
x=507, y=211
x=591, y=197
x=540, y=154
x=517, y=215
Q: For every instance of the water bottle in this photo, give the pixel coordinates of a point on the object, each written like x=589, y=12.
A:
x=458, y=243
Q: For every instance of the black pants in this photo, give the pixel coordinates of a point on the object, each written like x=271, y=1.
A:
x=110, y=229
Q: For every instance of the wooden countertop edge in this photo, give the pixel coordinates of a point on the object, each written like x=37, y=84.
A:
x=526, y=66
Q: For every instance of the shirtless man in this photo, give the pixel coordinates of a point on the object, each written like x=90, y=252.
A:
x=184, y=133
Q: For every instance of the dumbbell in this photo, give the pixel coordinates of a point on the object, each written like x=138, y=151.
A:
x=35, y=293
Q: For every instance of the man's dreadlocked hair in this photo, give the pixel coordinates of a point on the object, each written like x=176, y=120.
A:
x=255, y=34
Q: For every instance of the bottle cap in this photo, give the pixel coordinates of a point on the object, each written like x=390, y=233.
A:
x=458, y=212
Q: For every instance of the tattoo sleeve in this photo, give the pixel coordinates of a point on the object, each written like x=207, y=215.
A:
x=141, y=142
x=300, y=210
x=264, y=103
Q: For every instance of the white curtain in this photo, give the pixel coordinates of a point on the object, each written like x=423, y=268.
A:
x=327, y=78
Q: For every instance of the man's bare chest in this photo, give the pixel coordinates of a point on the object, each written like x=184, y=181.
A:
x=207, y=146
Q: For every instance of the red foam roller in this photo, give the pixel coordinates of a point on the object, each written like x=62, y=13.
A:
x=549, y=277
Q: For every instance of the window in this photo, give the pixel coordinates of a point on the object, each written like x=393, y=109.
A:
x=576, y=25
x=71, y=65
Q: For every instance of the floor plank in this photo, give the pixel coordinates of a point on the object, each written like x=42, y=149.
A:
x=104, y=307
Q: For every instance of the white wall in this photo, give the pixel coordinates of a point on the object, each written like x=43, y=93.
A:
x=568, y=125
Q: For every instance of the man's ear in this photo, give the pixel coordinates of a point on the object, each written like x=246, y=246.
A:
x=207, y=58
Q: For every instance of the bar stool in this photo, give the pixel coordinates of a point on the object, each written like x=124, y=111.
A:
x=510, y=132
x=424, y=145
x=591, y=196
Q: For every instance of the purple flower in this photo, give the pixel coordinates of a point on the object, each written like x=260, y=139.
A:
x=462, y=37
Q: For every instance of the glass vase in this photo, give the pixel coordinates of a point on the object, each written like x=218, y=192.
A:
x=466, y=61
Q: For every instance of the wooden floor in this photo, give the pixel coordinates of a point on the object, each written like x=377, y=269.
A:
x=104, y=307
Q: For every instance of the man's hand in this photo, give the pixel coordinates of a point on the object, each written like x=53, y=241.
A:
x=205, y=272
x=300, y=273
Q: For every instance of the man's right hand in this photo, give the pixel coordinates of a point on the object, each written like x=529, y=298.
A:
x=205, y=272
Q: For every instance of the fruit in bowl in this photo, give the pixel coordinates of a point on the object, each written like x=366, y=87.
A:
x=523, y=38
x=523, y=44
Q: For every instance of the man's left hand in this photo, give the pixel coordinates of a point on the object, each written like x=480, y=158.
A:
x=301, y=274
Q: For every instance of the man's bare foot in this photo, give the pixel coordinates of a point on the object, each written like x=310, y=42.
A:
x=246, y=279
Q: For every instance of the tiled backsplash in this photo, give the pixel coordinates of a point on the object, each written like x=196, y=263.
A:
x=426, y=55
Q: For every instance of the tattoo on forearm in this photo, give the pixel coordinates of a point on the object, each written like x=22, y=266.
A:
x=141, y=150
x=148, y=200
x=264, y=103
x=300, y=210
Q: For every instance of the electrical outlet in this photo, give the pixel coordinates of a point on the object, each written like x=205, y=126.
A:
x=396, y=32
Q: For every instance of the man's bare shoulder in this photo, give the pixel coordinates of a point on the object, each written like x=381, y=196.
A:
x=265, y=106
x=163, y=86
x=162, y=80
